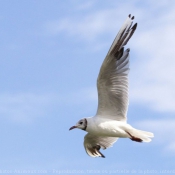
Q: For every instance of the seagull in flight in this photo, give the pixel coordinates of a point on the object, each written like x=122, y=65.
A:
x=110, y=121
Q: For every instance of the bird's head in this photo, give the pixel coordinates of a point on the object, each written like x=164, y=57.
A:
x=81, y=124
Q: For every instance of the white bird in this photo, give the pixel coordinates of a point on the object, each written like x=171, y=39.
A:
x=110, y=121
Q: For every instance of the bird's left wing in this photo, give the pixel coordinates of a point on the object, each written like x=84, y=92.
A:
x=93, y=144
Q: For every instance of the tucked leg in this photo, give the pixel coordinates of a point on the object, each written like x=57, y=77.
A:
x=136, y=139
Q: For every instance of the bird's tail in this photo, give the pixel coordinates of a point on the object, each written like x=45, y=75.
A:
x=139, y=135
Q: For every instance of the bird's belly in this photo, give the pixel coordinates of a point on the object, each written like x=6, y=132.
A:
x=115, y=132
x=110, y=129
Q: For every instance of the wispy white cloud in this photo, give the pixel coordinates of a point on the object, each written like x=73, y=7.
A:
x=81, y=96
x=171, y=147
x=89, y=26
x=86, y=5
x=152, y=76
x=23, y=107
x=26, y=107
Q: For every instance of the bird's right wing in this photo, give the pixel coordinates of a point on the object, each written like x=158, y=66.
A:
x=93, y=144
x=112, y=82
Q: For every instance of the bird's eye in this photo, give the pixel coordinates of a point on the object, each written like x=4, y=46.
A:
x=81, y=123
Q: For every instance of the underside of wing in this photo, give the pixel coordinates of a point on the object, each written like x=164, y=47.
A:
x=93, y=144
x=112, y=82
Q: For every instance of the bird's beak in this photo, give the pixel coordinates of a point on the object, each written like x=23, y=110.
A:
x=73, y=127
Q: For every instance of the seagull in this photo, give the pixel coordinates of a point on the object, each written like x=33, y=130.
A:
x=110, y=121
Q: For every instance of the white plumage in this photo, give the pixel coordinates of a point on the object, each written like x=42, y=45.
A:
x=110, y=121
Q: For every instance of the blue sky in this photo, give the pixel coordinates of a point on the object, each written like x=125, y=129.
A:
x=51, y=53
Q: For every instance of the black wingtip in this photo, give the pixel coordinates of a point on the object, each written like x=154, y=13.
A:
x=128, y=49
x=132, y=18
x=102, y=155
x=129, y=15
x=134, y=26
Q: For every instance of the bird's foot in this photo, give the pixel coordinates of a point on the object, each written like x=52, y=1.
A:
x=136, y=139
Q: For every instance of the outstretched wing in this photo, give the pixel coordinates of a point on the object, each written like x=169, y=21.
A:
x=93, y=144
x=112, y=82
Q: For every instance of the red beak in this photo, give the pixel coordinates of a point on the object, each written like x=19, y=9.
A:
x=73, y=127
